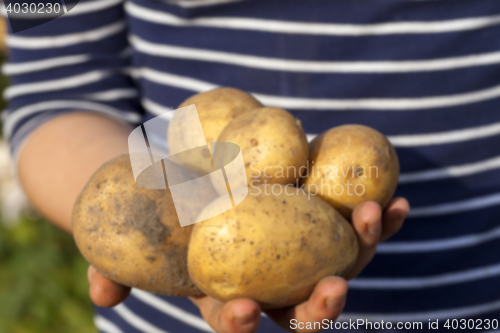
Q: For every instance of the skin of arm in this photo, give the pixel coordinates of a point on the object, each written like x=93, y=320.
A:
x=60, y=156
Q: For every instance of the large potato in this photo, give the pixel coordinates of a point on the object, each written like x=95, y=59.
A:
x=216, y=108
x=132, y=235
x=273, y=144
x=352, y=164
x=272, y=248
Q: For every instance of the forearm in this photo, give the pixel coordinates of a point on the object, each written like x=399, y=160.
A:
x=60, y=156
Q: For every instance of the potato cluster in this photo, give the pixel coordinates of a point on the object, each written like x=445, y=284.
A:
x=289, y=232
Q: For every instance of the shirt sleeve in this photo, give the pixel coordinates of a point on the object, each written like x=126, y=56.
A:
x=80, y=61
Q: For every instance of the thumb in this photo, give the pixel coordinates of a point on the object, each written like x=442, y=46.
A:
x=105, y=292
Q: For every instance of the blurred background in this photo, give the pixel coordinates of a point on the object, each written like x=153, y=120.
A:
x=43, y=284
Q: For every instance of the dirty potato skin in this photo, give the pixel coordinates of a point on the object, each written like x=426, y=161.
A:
x=273, y=144
x=216, y=108
x=357, y=159
x=130, y=234
x=270, y=248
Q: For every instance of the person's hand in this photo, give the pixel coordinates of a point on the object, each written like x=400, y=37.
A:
x=326, y=302
x=371, y=225
x=103, y=291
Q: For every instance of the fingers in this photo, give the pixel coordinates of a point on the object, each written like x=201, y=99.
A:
x=104, y=292
x=326, y=302
x=366, y=221
x=393, y=217
x=236, y=316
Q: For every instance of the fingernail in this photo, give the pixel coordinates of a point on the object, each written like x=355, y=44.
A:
x=244, y=320
x=90, y=274
x=374, y=226
x=335, y=302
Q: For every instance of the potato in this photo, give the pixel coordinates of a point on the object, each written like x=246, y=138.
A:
x=272, y=247
x=273, y=144
x=352, y=164
x=216, y=108
x=132, y=235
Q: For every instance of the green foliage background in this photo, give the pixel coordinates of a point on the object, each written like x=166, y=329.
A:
x=43, y=284
x=43, y=277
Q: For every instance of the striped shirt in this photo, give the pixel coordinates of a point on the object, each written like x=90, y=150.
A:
x=425, y=73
